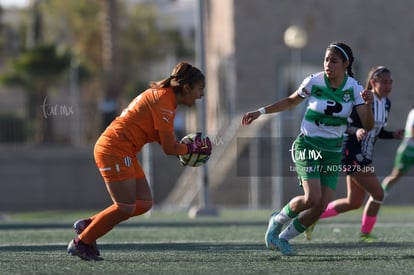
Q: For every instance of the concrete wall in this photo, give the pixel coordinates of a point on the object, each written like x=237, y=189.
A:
x=249, y=66
x=65, y=178
x=246, y=53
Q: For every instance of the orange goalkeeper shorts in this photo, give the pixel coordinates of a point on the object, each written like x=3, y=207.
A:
x=114, y=168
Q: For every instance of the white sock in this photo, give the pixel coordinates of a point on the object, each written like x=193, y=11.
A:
x=282, y=218
x=289, y=233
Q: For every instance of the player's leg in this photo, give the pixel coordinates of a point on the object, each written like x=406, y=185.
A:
x=119, y=176
x=331, y=208
x=403, y=161
x=354, y=199
x=278, y=219
x=289, y=212
x=329, y=180
x=143, y=196
x=308, y=207
x=312, y=195
x=123, y=196
x=390, y=180
x=309, y=177
x=370, y=183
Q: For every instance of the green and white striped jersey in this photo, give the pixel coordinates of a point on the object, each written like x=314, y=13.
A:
x=325, y=119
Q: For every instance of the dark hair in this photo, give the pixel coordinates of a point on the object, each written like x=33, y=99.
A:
x=345, y=52
x=375, y=73
x=183, y=73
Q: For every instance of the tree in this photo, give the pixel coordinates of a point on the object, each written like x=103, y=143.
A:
x=109, y=62
x=118, y=52
x=36, y=70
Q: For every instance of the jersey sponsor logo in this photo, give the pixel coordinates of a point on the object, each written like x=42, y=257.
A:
x=166, y=114
x=332, y=107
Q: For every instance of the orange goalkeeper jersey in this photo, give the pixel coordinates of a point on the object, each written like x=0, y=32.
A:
x=139, y=123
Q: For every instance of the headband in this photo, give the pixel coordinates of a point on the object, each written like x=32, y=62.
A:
x=342, y=50
x=379, y=70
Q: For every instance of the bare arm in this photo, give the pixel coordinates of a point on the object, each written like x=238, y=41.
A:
x=279, y=106
x=169, y=144
x=365, y=110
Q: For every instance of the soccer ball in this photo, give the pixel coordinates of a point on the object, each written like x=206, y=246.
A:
x=193, y=160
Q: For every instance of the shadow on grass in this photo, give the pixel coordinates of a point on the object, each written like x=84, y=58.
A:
x=185, y=224
x=146, y=247
x=304, y=249
x=340, y=257
x=331, y=252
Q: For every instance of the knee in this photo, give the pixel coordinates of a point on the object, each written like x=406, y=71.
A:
x=312, y=201
x=125, y=209
x=378, y=195
x=354, y=204
x=142, y=207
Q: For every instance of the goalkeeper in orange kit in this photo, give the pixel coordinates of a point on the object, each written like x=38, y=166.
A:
x=148, y=118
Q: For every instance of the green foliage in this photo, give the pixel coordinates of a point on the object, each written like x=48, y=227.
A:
x=37, y=67
x=42, y=61
x=140, y=41
x=77, y=25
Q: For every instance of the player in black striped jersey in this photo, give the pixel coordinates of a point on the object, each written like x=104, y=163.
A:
x=357, y=151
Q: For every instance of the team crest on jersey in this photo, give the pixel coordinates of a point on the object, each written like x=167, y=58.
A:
x=347, y=96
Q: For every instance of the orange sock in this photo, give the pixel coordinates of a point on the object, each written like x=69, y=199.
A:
x=102, y=223
x=142, y=207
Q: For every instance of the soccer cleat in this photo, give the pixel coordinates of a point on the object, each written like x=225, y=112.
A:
x=284, y=247
x=81, y=225
x=272, y=232
x=84, y=251
x=367, y=238
x=309, y=231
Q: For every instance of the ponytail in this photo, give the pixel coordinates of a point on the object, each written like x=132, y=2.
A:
x=183, y=73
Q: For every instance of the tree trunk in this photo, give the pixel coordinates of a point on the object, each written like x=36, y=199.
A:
x=109, y=106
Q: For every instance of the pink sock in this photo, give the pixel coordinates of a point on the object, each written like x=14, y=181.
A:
x=367, y=223
x=329, y=211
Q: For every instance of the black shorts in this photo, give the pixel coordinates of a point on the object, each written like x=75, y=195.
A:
x=352, y=157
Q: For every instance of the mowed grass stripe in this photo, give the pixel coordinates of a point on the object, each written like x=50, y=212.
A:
x=229, y=244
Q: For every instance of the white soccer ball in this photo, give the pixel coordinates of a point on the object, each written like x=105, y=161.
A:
x=193, y=160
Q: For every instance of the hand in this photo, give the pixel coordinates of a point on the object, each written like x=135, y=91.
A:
x=361, y=133
x=201, y=145
x=367, y=96
x=398, y=134
x=249, y=117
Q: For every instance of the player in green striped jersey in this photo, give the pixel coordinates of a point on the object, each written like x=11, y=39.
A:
x=404, y=158
x=331, y=95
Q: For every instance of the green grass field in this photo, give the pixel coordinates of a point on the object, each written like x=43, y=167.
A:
x=232, y=243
